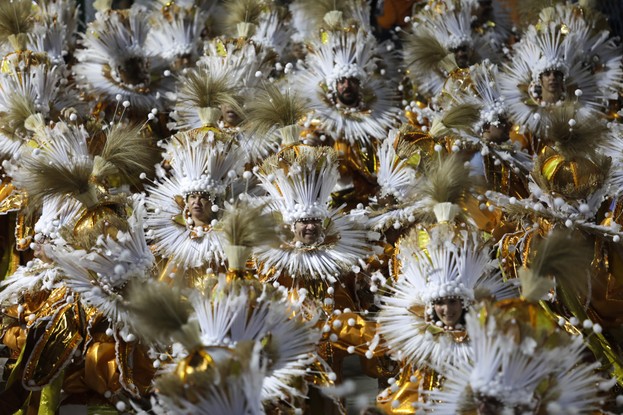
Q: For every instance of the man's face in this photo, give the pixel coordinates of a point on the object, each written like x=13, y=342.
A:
x=307, y=231
x=449, y=310
x=462, y=56
x=231, y=117
x=497, y=133
x=200, y=208
x=348, y=91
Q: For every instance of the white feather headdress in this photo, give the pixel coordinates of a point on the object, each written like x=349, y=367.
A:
x=116, y=61
x=230, y=385
x=300, y=181
x=509, y=366
x=246, y=312
x=434, y=36
x=344, y=55
x=552, y=47
x=308, y=18
x=55, y=32
x=176, y=34
x=226, y=317
x=100, y=274
x=200, y=162
x=447, y=268
x=39, y=90
x=57, y=213
x=397, y=180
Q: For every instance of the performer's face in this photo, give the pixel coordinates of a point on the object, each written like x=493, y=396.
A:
x=348, y=91
x=231, y=117
x=449, y=310
x=462, y=56
x=552, y=83
x=200, y=208
x=497, y=133
x=307, y=231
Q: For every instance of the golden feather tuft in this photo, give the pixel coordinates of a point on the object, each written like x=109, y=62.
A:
x=242, y=11
x=47, y=179
x=16, y=17
x=163, y=314
x=13, y=121
x=272, y=109
x=205, y=90
x=130, y=151
x=529, y=10
x=423, y=53
x=580, y=139
x=315, y=11
x=447, y=179
x=458, y=117
x=563, y=255
x=245, y=225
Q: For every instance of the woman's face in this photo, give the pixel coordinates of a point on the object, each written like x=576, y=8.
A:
x=449, y=310
x=553, y=86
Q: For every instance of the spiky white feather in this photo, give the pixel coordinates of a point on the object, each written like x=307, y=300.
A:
x=247, y=312
x=101, y=273
x=357, y=54
x=508, y=370
x=446, y=268
x=114, y=49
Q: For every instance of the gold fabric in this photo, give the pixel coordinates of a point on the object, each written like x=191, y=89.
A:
x=359, y=335
x=54, y=341
x=406, y=393
x=573, y=178
x=100, y=367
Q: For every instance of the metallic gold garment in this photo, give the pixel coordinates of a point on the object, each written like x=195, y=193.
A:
x=400, y=398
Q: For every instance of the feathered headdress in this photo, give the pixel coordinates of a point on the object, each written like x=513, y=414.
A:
x=300, y=180
x=450, y=266
x=36, y=90
x=309, y=18
x=552, y=47
x=357, y=55
x=55, y=31
x=16, y=22
x=200, y=96
x=222, y=319
x=63, y=163
x=397, y=203
x=273, y=110
x=512, y=359
x=176, y=35
x=116, y=61
x=246, y=64
x=201, y=162
x=435, y=35
x=101, y=273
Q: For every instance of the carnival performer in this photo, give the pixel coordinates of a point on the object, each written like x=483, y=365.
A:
x=440, y=273
x=354, y=102
x=186, y=202
x=517, y=347
x=81, y=320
